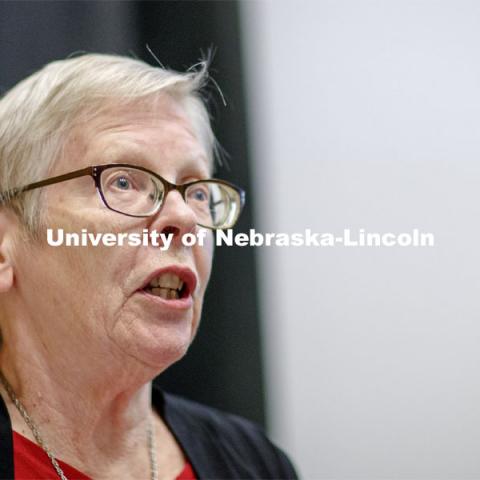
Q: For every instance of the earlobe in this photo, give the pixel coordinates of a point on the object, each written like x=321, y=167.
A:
x=6, y=257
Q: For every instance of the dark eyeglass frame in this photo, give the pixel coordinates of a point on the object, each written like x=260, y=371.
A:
x=95, y=171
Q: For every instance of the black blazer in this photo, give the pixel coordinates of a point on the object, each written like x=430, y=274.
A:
x=218, y=445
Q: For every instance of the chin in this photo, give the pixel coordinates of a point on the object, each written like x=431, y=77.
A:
x=164, y=348
x=157, y=340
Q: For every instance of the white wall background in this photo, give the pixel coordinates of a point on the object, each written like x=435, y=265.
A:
x=366, y=114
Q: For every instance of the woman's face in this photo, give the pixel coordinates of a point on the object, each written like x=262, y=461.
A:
x=90, y=300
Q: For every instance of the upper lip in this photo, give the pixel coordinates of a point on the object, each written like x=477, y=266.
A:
x=186, y=275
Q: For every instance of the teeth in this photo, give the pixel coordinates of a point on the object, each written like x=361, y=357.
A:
x=167, y=280
x=166, y=293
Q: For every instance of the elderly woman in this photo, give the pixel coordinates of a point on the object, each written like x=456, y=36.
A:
x=108, y=144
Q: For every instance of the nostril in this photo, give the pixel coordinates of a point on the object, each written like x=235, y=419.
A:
x=171, y=230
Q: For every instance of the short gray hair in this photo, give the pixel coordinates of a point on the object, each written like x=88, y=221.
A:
x=37, y=114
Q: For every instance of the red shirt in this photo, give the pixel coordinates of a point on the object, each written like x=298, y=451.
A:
x=31, y=462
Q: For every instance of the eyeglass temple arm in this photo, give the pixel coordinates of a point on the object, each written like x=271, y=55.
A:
x=9, y=194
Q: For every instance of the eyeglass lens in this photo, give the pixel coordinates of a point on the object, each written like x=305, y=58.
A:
x=136, y=192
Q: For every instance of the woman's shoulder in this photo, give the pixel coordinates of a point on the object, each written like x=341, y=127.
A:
x=229, y=441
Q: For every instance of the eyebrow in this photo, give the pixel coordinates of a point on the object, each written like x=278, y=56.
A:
x=136, y=157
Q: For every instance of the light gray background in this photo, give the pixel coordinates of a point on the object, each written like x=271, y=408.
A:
x=366, y=114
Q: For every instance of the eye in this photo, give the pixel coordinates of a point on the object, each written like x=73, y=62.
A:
x=200, y=195
x=123, y=183
x=125, y=180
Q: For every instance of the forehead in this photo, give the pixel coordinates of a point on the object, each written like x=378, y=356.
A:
x=156, y=133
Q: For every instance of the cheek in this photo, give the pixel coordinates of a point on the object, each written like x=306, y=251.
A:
x=63, y=289
x=204, y=258
x=93, y=266
x=89, y=280
x=203, y=263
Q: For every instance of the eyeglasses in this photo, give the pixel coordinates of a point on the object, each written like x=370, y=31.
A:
x=138, y=192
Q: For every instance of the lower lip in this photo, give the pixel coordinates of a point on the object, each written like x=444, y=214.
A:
x=173, y=304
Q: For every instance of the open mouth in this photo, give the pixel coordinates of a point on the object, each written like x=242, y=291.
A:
x=168, y=286
x=171, y=285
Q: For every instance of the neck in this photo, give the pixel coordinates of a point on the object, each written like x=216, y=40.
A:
x=91, y=415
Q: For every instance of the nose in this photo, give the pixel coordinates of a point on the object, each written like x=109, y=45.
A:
x=174, y=217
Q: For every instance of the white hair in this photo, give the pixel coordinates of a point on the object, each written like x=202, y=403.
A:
x=38, y=113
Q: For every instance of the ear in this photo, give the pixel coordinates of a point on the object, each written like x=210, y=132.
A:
x=7, y=225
